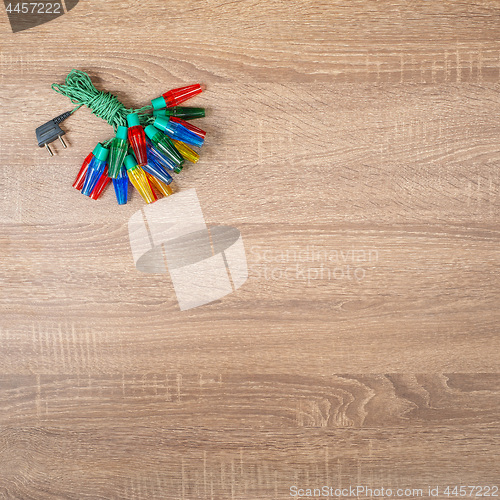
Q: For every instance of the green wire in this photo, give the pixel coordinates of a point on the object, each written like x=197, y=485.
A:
x=80, y=90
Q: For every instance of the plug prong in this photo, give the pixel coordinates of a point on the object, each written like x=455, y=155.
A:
x=62, y=141
x=47, y=147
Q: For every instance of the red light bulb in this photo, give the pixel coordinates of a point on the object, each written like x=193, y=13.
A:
x=137, y=138
x=175, y=96
x=80, y=178
x=101, y=184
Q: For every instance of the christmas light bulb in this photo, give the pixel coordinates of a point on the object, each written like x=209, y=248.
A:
x=80, y=178
x=164, y=145
x=121, y=186
x=156, y=170
x=196, y=130
x=138, y=178
x=103, y=181
x=95, y=169
x=117, y=152
x=185, y=113
x=186, y=151
x=175, y=96
x=178, y=132
x=148, y=177
x=160, y=159
x=162, y=188
x=137, y=138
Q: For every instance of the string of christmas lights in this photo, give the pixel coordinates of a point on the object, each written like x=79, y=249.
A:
x=150, y=142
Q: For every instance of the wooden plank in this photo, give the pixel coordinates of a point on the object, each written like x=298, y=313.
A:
x=422, y=298
x=306, y=153
x=220, y=401
x=137, y=461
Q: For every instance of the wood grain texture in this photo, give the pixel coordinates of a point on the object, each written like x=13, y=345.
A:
x=355, y=146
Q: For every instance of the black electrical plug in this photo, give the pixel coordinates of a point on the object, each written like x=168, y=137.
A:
x=50, y=131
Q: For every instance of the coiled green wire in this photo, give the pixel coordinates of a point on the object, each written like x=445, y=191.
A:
x=78, y=87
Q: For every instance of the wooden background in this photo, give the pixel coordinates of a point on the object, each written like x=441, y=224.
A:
x=366, y=130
